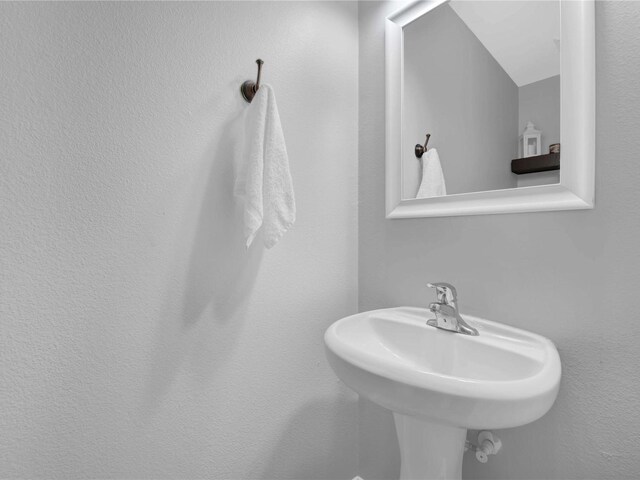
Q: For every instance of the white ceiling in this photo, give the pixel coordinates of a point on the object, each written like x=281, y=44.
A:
x=522, y=35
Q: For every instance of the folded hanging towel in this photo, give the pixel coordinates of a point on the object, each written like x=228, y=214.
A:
x=264, y=180
x=432, y=184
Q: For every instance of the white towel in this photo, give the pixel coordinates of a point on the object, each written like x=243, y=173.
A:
x=264, y=180
x=432, y=184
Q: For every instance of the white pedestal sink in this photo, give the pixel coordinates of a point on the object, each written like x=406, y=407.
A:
x=440, y=383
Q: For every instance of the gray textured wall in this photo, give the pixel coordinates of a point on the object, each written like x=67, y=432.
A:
x=571, y=276
x=455, y=90
x=139, y=338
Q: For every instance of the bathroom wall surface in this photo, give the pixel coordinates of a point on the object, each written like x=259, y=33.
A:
x=539, y=102
x=140, y=339
x=571, y=276
x=475, y=146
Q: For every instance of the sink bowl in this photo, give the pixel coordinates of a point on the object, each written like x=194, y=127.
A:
x=439, y=383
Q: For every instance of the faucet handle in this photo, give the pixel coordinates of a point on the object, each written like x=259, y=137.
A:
x=446, y=292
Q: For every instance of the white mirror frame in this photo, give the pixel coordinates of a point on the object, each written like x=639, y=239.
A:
x=577, y=126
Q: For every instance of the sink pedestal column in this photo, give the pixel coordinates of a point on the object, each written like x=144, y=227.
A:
x=429, y=451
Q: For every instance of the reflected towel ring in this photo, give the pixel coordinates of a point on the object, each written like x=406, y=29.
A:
x=248, y=89
x=421, y=149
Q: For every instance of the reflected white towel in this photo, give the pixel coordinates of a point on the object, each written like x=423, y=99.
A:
x=264, y=180
x=432, y=184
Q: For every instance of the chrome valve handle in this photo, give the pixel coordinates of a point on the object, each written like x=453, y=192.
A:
x=446, y=292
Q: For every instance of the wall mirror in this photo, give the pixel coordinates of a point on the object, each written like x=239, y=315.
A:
x=490, y=107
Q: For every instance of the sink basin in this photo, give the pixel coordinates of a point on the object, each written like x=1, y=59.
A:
x=439, y=383
x=504, y=377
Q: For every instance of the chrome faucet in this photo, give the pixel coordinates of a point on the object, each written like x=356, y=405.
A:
x=446, y=310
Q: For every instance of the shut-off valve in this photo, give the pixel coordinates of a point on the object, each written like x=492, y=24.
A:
x=488, y=444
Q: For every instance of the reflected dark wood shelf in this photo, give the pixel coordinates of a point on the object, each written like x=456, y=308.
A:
x=539, y=163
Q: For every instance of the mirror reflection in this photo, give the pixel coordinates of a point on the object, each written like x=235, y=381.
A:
x=481, y=89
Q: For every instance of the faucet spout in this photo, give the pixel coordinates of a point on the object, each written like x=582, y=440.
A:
x=446, y=311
